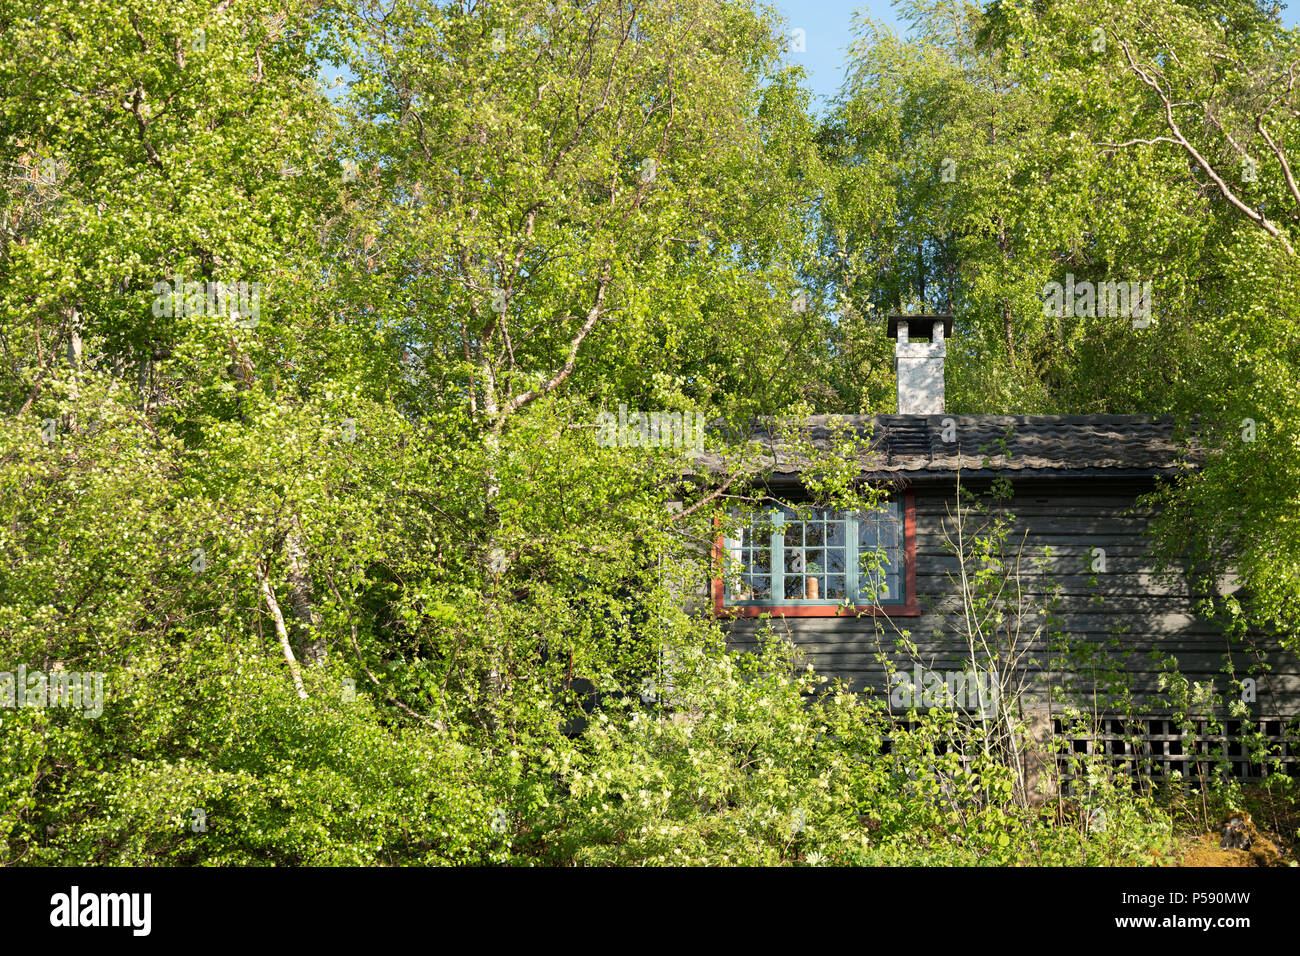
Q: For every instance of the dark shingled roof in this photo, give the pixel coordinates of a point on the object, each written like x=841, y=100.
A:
x=913, y=447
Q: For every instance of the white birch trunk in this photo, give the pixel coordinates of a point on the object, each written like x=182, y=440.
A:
x=268, y=595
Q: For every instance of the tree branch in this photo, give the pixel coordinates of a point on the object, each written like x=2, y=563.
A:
x=593, y=316
x=1256, y=217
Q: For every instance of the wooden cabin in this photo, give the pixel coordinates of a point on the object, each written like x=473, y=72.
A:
x=1084, y=605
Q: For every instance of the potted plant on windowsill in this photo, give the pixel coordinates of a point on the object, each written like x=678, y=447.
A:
x=812, y=584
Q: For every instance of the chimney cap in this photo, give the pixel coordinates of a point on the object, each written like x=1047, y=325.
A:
x=920, y=326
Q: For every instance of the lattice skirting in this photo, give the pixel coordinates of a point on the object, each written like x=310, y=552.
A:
x=1155, y=748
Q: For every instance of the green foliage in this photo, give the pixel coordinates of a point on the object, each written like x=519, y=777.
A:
x=361, y=582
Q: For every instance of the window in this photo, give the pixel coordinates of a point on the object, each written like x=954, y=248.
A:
x=809, y=561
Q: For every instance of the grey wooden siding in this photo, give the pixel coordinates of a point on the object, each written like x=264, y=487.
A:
x=1128, y=603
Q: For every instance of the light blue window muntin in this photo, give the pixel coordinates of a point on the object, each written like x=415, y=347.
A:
x=772, y=561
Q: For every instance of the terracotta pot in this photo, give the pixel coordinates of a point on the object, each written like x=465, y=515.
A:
x=812, y=588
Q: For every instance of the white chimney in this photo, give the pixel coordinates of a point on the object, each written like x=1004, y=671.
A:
x=919, y=365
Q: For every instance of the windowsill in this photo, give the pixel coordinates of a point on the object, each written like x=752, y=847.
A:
x=829, y=610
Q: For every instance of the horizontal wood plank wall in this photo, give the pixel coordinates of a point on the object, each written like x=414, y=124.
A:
x=1128, y=603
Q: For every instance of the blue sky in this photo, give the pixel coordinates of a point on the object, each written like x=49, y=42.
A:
x=826, y=29
x=826, y=34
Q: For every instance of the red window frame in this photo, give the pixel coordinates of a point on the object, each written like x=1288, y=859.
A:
x=909, y=607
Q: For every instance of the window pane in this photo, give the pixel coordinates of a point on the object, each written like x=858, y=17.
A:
x=880, y=549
